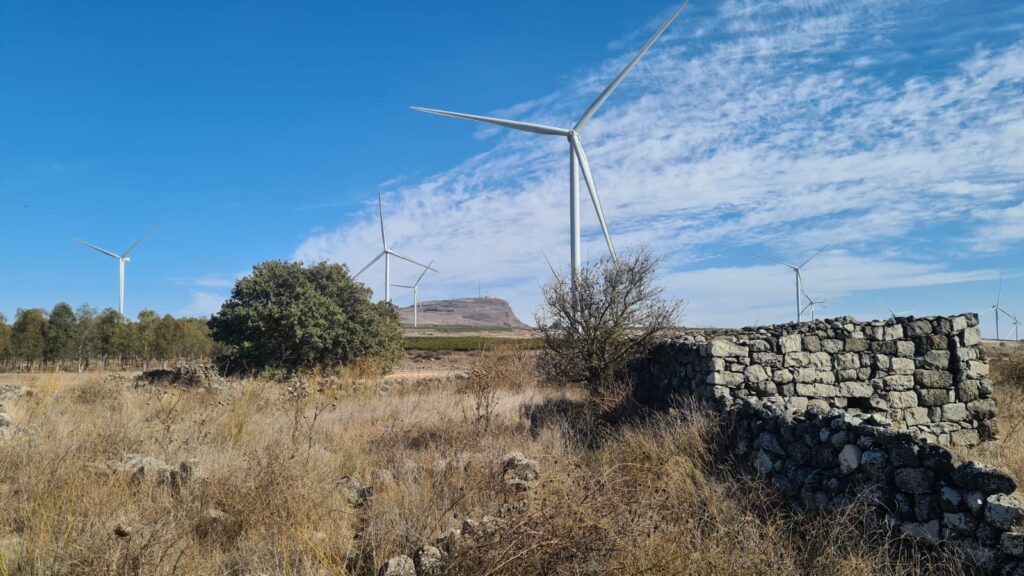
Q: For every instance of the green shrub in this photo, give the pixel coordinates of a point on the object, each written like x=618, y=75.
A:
x=292, y=317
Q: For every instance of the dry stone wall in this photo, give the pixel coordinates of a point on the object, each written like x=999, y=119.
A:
x=838, y=410
x=928, y=376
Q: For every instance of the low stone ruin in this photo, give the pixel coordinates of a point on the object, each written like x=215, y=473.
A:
x=195, y=376
x=925, y=375
x=837, y=410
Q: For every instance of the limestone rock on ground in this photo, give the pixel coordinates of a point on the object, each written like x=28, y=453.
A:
x=400, y=565
x=519, y=473
x=357, y=493
x=146, y=468
x=10, y=391
x=429, y=561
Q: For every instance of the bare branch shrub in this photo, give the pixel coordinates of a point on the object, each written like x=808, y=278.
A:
x=613, y=315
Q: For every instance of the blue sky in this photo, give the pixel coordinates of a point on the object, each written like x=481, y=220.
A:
x=263, y=130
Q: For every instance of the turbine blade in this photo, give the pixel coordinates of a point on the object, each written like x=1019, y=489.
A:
x=401, y=286
x=553, y=273
x=577, y=146
x=140, y=240
x=380, y=209
x=422, y=274
x=589, y=113
x=790, y=266
x=999, y=294
x=372, y=262
x=407, y=259
x=98, y=249
x=815, y=255
x=513, y=124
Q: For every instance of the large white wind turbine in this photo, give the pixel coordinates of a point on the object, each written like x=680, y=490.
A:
x=387, y=253
x=122, y=259
x=416, y=294
x=797, y=273
x=577, y=157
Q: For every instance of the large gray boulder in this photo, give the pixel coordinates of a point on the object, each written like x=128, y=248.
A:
x=987, y=479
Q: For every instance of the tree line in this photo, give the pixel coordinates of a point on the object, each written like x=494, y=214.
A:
x=68, y=339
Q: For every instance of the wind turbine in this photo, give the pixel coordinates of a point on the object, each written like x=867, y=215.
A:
x=122, y=259
x=796, y=271
x=892, y=313
x=811, y=303
x=416, y=294
x=997, y=308
x=577, y=157
x=387, y=253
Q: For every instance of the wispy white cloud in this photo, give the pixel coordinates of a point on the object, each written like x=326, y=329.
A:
x=202, y=304
x=753, y=126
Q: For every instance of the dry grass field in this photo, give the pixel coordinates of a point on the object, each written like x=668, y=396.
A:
x=267, y=479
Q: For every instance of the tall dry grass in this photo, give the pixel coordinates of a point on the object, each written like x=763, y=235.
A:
x=1007, y=374
x=648, y=497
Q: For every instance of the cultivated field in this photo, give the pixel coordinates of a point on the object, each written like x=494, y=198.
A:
x=267, y=478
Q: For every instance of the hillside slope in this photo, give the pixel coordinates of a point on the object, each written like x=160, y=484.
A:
x=464, y=312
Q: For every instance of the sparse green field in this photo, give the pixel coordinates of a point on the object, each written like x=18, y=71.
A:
x=470, y=343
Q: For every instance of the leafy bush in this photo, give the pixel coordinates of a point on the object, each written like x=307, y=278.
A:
x=289, y=316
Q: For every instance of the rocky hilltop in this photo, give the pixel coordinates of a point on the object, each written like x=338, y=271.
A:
x=464, y=312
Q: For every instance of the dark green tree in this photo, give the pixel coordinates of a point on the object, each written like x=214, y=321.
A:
x=85, y=336
x=60, y=333
x=28, y=335
x=5, y=340
x=113, y=335
x=293, y=317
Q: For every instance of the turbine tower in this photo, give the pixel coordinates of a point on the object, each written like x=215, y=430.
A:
x=416, y=295
x=122, y=259
x=797, y=273
x=387, y=253
x=577, y=157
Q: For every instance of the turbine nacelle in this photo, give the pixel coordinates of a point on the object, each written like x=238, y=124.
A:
x=577, y=157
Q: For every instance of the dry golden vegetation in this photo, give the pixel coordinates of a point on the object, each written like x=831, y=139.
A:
x=1006, y=364
x=280, y=484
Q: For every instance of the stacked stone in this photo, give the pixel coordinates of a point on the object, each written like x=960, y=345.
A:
x=824, y=461
x=926, y=375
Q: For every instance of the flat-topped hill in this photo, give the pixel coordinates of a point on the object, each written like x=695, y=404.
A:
x=464, y=312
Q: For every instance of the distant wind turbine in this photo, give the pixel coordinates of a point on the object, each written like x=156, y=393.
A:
x=797, y=273
x=811, y=303
x=997, y=308
x=577, y=157
x=387, y=253
x=893, y=314
x=122, y=259
x=416, y=294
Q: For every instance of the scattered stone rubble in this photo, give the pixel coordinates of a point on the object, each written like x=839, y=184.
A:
x=519, y=475
x=146, y=468
x=196, y=376
x=12, y=391
x=837, y=410
x=7, y=428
